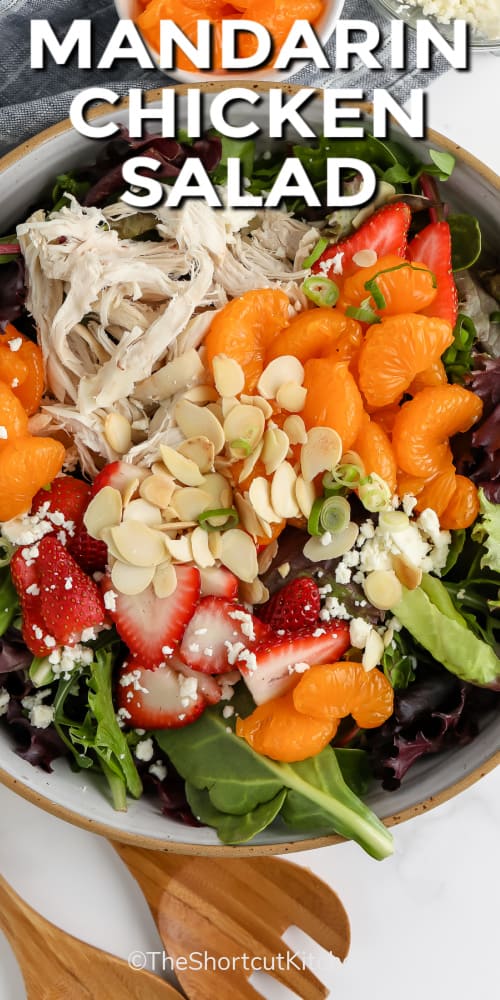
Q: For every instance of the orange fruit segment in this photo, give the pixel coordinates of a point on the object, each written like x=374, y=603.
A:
x=463, y=508
x=245, y=328
x=424, y=425
x=13, y=418
x=13, y=370
x=375, y=450
x=435, y=374
x=316, y=333
x=277, y=730
x=27, y=464
x=395, y=351
x=437, y=492
x=345, y=688
x=30, y=389
x=333, y=399
x=407, y=289
x=385, y=417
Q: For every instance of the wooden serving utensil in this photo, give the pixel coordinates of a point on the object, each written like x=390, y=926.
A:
x=56, y=966
x=234, y=907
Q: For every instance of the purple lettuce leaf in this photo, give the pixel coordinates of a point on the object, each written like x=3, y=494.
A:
x=169, y=791
x=14, y=655
x=12, y=290
x=477, y=453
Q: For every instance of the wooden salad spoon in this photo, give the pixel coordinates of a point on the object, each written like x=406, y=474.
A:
x=56, y=966
x=228, y=908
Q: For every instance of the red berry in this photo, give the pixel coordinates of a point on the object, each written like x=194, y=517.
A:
x=70, y=600
x=385, y=232
x=158, y=699
x=432, y=246
x=296, y=606
x=90, y=553
x=218, y=625
x=65, y=495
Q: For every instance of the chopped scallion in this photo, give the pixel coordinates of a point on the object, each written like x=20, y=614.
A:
x=321, y=291
x=231, y=515
x=316, y=252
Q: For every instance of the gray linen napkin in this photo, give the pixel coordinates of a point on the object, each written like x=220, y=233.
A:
x=31, y=100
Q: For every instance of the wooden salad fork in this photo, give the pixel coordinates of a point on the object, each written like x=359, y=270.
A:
x=229, y=908
x=56, y=966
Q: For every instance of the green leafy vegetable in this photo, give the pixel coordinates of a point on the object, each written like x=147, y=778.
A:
x=455, y=550
x=238, y=782
x=233, y=829
x=399, y=662
x=465, y=241
x=432, y=619
x=68, y=184
x=9, y=604
x=487, y=532
x=457, y=358
x=444, y=162
x=242, y=149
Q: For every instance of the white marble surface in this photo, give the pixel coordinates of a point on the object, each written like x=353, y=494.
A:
x=424, y=923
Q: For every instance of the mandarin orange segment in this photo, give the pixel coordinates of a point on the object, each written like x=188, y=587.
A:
x=186, y=17
x=315, y=333
x=345, y=688
x=333, y=399
x=412, y=485
x=13, y=370
x=463, y=507
x=30, y=390
x=245, y=328
x=424, y=425
x=13, y=417
x=376, y=452
x=435, y=374
x=437, y=492
x=385, y=417
x=277, y=730
x=27, y=464
x=406, y=288
x=395, y=351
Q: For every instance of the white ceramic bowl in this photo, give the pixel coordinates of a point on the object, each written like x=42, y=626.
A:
x=82, y=798
x=324, y=28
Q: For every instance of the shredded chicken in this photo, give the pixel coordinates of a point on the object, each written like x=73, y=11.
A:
x=110, y=312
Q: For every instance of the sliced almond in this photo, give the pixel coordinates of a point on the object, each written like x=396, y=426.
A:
x=253, y=593
x=165, y=580
x=410, y=576
x=373, y=651
x=265, y=558
x=265, y=528
x=138, y=544
x=229, y=376
x=340, y=543
x=172, y=378
x=259, y=495
x=215, y=543
x=216, y=410
x=305, y=495
x=118, y=432
x=202, y=394
x=383, y=589
x=173, y=524
x=295, y=429
x=200, y=450
x=250, y=463
x=219, y=490
x=131, y=580
x=158, y=489
x=283, y=492
x=292, y=397
x=247, y=515
x=103, y=511
x=190, y=502
x=142, y=510
x=182, y=468
x=179, y=548
x=243, y=429
x=199, y=421
x=260, y=402
x=365, y=258
x=228, y=404
x=201, y=549
x=130, y=490
x=393, y=520
x=321, y=452
x=113, y=552
x=275, y=449
x=238, y=553
x=286, y=368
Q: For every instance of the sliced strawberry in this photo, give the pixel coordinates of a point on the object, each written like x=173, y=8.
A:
x=119, y=475
x=153, y=626
x=296, y=606
x=90, y=553
x=158, y=699
x=70, y=600
x=432, y=247
x=273, y=673
x=65, y=496
x=385, y=232
x=34, y=629
x=215, y=628
x=220, y=582
x=207, y=685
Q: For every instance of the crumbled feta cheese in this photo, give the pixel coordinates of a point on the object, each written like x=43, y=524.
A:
x=461, y=594
x=428, y=522
x=68, y=583
x=233, y=650
x=158, y=770
x=188, y=690
x=15, y=344
x=300, y=667
x=49, y=641
x=110, y=599
x=41, y=716
x=246, y=623
x=249, y=658
x=123, y=714
x=284, y=570
x=33, y=589
x=317, y=632
x=3, y=433
x=167, y=650
x=227, y=711
x=409, y=502
x=14, y=383
x=342, y=573
x=144, y=750
x=367, y=528
x=359, y=630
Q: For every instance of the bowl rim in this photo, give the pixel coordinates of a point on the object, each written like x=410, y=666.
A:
x=245, y=850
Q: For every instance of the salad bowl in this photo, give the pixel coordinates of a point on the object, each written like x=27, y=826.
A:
x=79, y=798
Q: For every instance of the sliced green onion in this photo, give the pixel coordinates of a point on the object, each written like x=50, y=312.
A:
x=376, y=294
x=313, y=523
x=6, y=552
x=348, y=474
x=374, y=493
x=335, y=514
x=331, y=487
x=321, y=291
x=40, y=672
x=241, y=444
x=364, y=313
x=231, y=515
x=316, y=252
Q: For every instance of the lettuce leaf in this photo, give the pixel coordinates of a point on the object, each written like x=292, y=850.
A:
x=487, y=532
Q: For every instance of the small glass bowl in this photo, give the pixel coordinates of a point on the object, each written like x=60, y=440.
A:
x=399, y=10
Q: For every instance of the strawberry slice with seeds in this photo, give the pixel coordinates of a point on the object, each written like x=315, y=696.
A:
x=276, y=665
x=158, y=699
x=385, y=232
x=90, y=553
x=217, y=632
x=432, y=247
x=26, y=582
x=119, y=475
x=220, y=582
x=70, y=600
x=153, y=626
x=296, y=606
x=66, y=498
